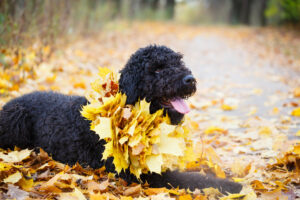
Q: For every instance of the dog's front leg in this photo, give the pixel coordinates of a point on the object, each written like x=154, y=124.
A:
x=191, y=180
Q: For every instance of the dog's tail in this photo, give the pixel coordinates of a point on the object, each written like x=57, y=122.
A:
x=15, y=126
x=191, y=180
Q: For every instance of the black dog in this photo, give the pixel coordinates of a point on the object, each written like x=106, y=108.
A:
x=53, y=122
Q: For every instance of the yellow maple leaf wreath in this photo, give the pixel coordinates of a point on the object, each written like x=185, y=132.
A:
x=135, y=138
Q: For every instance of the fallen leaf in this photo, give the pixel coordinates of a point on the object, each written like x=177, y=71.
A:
x=15, y=193
x=227, y=107
x=132, y=191
x=4, y=166
x=234, y=196
x=296, y=92
x=161, y=196
x=185, y=197
x=214, y=129
x=275, y=111
x=258, y=185
x=49, y=185
x=98, y=197
x=15, y=156
x=296, y=112
x=211, y=192
x=80, y=85
x=103, y=186
x=14, y=178
x=266, y=131
x=75, y=195
x=154, y=191
x=26, y=183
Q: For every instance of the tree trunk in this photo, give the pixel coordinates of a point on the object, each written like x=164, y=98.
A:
x=246, y=11
x=170, y=8
x=240, y=11
x=262, y=17
x=235, y=11
x=154, y=4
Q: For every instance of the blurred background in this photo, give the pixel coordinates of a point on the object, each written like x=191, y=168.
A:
x=45, y=41
x=21, y=20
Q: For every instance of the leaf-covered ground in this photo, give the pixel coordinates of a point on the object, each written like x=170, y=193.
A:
x=245, y=115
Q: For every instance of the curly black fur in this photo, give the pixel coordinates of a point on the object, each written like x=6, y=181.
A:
x=53, y=122
x=157, y=74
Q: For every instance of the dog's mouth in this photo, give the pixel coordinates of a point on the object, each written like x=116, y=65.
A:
x=177, y=104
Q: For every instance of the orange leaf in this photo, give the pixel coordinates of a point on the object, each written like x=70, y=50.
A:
x=258, y=185
x=132, y=190
x=80, y=85
x=185, y=197
x=297, y=92
x=154, y=191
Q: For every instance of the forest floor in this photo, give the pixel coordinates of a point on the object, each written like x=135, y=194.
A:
x=245, y=116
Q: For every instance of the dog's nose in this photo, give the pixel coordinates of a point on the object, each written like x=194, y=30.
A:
x=189, y=79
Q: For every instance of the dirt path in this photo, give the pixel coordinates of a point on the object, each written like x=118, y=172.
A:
x=232, y=73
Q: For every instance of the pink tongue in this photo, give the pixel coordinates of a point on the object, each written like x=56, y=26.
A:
x=180, y=106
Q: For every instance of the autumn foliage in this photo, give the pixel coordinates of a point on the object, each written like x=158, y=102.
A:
x=242, y=126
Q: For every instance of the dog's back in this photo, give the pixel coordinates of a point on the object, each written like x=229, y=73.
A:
x=51, y=121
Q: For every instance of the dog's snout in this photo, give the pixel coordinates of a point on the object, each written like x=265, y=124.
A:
x=189, y=79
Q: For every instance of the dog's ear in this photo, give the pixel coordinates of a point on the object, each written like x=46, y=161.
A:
x=129, y=84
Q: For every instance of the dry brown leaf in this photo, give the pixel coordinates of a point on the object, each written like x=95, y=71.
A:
x=133, y=191
x=137, y=149
x=103, y=186
x=49, y=185
x=15, y=193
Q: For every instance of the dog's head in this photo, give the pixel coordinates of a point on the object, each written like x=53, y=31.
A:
x=158, y=74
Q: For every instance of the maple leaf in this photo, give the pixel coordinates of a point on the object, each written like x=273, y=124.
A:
x=15, y=156
x=104, y=128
